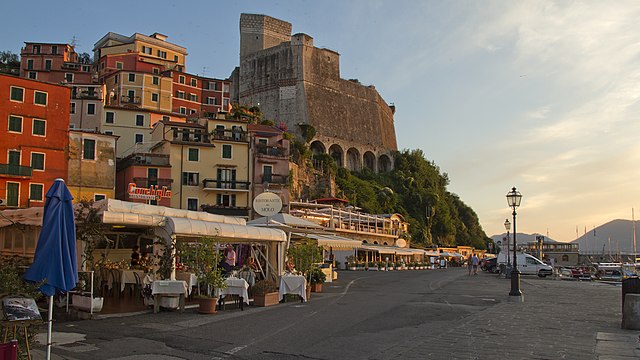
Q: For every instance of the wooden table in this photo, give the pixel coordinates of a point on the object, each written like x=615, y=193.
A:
x=168, y=288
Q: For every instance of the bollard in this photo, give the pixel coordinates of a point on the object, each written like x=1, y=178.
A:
x=631, y=312
x=630, y=286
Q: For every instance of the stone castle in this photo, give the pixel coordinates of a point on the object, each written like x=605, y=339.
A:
x=299, y=84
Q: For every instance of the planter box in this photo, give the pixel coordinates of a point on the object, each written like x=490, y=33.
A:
x=316, y=287
x=207, y=305
x=267, y=299
x=83, y=302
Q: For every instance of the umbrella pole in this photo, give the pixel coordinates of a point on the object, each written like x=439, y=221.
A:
x=49, y=327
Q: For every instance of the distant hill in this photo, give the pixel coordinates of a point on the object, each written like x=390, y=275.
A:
x=619, y=231
x=521, y=238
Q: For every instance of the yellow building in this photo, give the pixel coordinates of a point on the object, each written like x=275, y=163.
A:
x=138, y=89
x=92, y=165
x=209, y=164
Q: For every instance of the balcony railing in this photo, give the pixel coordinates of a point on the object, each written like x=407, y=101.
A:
x=276, y=179
x=144, y=159
x=130, y=99
x=273, y=151
x=229, y=135
x=146, y=182
x=215, y=184
x=190, y=135
x=15, y=170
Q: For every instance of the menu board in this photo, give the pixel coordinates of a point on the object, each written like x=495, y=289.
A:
x=20, y=309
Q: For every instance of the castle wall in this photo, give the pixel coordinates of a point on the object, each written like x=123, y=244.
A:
x=259, y=32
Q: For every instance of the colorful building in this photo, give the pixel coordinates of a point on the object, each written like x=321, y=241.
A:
x=55, y=63
x=270, y=151
x=34, y=128
x=199, y=96
x=92, y=165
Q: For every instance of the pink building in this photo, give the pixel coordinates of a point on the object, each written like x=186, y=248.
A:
x=145, y=177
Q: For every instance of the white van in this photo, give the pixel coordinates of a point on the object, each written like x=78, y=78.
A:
x=527, y=264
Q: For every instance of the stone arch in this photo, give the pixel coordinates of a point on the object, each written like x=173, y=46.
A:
x=386, y=243
x=365, y=242
x=354, y=162
x=369, y=161
x=336, y=152
x=317, y=147
x=375, y=242
x=384, y=163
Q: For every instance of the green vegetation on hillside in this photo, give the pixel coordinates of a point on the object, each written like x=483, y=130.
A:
x=409, y=189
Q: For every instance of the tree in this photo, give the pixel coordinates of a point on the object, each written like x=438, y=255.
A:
x=9, y=62
x=84, y=58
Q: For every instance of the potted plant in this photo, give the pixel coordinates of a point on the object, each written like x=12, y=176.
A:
x=265, y=293
x=89, y=232
x=316, y=278
x=305, y=254
x=202, y=258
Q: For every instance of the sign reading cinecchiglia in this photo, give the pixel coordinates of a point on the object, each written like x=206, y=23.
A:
x=150, y=193
x=267, y=204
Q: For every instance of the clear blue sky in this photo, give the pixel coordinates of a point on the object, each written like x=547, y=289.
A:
x=535, y=94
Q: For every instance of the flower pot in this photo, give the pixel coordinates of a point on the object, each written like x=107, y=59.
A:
x=85, y=303
x=316, y=287
x=207, y=305
x=267, y=299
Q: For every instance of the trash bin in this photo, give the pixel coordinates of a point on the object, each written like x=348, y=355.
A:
x=630, y=286
x=9, y=351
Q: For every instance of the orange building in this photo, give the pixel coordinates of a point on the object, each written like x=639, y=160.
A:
x=34, y=128
x=54, y=63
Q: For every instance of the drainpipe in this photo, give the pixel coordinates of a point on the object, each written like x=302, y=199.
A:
x=180, y=175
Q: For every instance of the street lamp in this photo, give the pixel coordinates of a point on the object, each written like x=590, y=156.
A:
x=513, y=199
x=507, y=225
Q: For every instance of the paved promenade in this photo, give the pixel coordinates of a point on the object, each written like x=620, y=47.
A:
x=439, y=314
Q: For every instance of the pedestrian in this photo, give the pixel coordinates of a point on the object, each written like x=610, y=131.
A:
x=135, y=256
x=475, y=261
x=469, y=261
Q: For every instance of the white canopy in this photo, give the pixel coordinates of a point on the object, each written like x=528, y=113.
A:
x=287, y=220
x=336, y=242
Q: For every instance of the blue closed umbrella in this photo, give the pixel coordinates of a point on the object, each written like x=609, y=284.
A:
x=55, y=258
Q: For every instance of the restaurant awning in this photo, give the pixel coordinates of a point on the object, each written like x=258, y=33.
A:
x=236, y=233
x=333, y=241
x=382, y=249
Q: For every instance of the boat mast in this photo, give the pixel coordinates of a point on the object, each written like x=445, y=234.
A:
x=634, y=236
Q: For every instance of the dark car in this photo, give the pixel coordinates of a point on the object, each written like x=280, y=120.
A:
x=489, y=265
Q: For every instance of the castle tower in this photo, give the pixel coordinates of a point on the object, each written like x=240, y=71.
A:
x=259, y=32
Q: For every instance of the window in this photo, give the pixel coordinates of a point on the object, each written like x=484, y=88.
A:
x=68, y=77
x=132, y=77
x=98, y=197
x=72, y=109
x=115, y=79
x=162, y=54
x=181, y=79
x=183, y=110
x=89, y=149
x=166, y=118
x=156, y=71
x=225, y=102
x=262, y=142
x=17, y=94
x=33, y=75
x=147, y=50
x=108, y=132
x=91, y=109
x=36, y=49
x=139, y=120
x=565, y=257
x=139, y=138
x=39, y=127
x=194, y=82
x=54, y=49
x=40, y=98
x=15, y=124
x=226, y=178
x=155, y=80
x=193, y=97
x=13, y=193
x=267, y=173
x=180, y=94
x=190, y=178
x=37, y=161
x=175, y=58
x=47, y=64
x=131, y=95
x=194, y=154
x=192, y=111
x=154, y=97
x=192, y=204
x=86, y=68
x=226, y=200
x=35, y=192
x=110, y=117
x=211, y=101
x=226, y=151
x=30, y=64
x=14, y=157
x=213, y=86
x=225, y=88
x=119, y=65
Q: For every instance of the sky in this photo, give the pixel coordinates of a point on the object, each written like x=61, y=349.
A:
x=540, y=95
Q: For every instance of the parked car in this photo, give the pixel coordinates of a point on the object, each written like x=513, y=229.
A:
x=489, y=264
x=528, y=265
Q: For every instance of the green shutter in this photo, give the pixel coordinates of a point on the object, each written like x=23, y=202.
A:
x=12, y=194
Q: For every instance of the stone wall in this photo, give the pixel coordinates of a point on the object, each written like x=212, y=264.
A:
x=258, y=32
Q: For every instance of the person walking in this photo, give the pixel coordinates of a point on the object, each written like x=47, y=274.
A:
x=469, y=261
x=475, y=261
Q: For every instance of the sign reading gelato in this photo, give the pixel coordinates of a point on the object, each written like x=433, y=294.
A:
x=150, y=193
x=267, y=204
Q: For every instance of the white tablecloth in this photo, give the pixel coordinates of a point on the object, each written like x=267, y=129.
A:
x=293, y=284
x=127, y=277
x=236, y=287
x=169, y=287
x=190, y=278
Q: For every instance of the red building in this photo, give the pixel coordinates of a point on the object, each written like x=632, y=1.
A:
x=34, y=126
x=199, y=96
x=54, y=63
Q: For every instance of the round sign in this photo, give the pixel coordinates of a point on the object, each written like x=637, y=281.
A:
x=401, y=243
x=267, y=204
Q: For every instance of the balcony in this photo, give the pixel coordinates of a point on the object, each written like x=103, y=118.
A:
x=226, y=210
x=130, y=100
x=275, y=179
x=144, y=159
x=272, y=151
x=87, y=94
x=229, y=135
x=190, y=135
x=71, y=66
x=225, y=185
x=146, y=182
x=15, y=170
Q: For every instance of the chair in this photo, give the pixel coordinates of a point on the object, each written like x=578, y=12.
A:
x=137, y=289
x=115, y=281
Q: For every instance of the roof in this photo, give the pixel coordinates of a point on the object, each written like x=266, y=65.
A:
x=331, y=199
x=265, y=129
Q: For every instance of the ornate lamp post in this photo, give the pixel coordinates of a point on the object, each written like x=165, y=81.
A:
x=507, y=225
x=513, y=199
